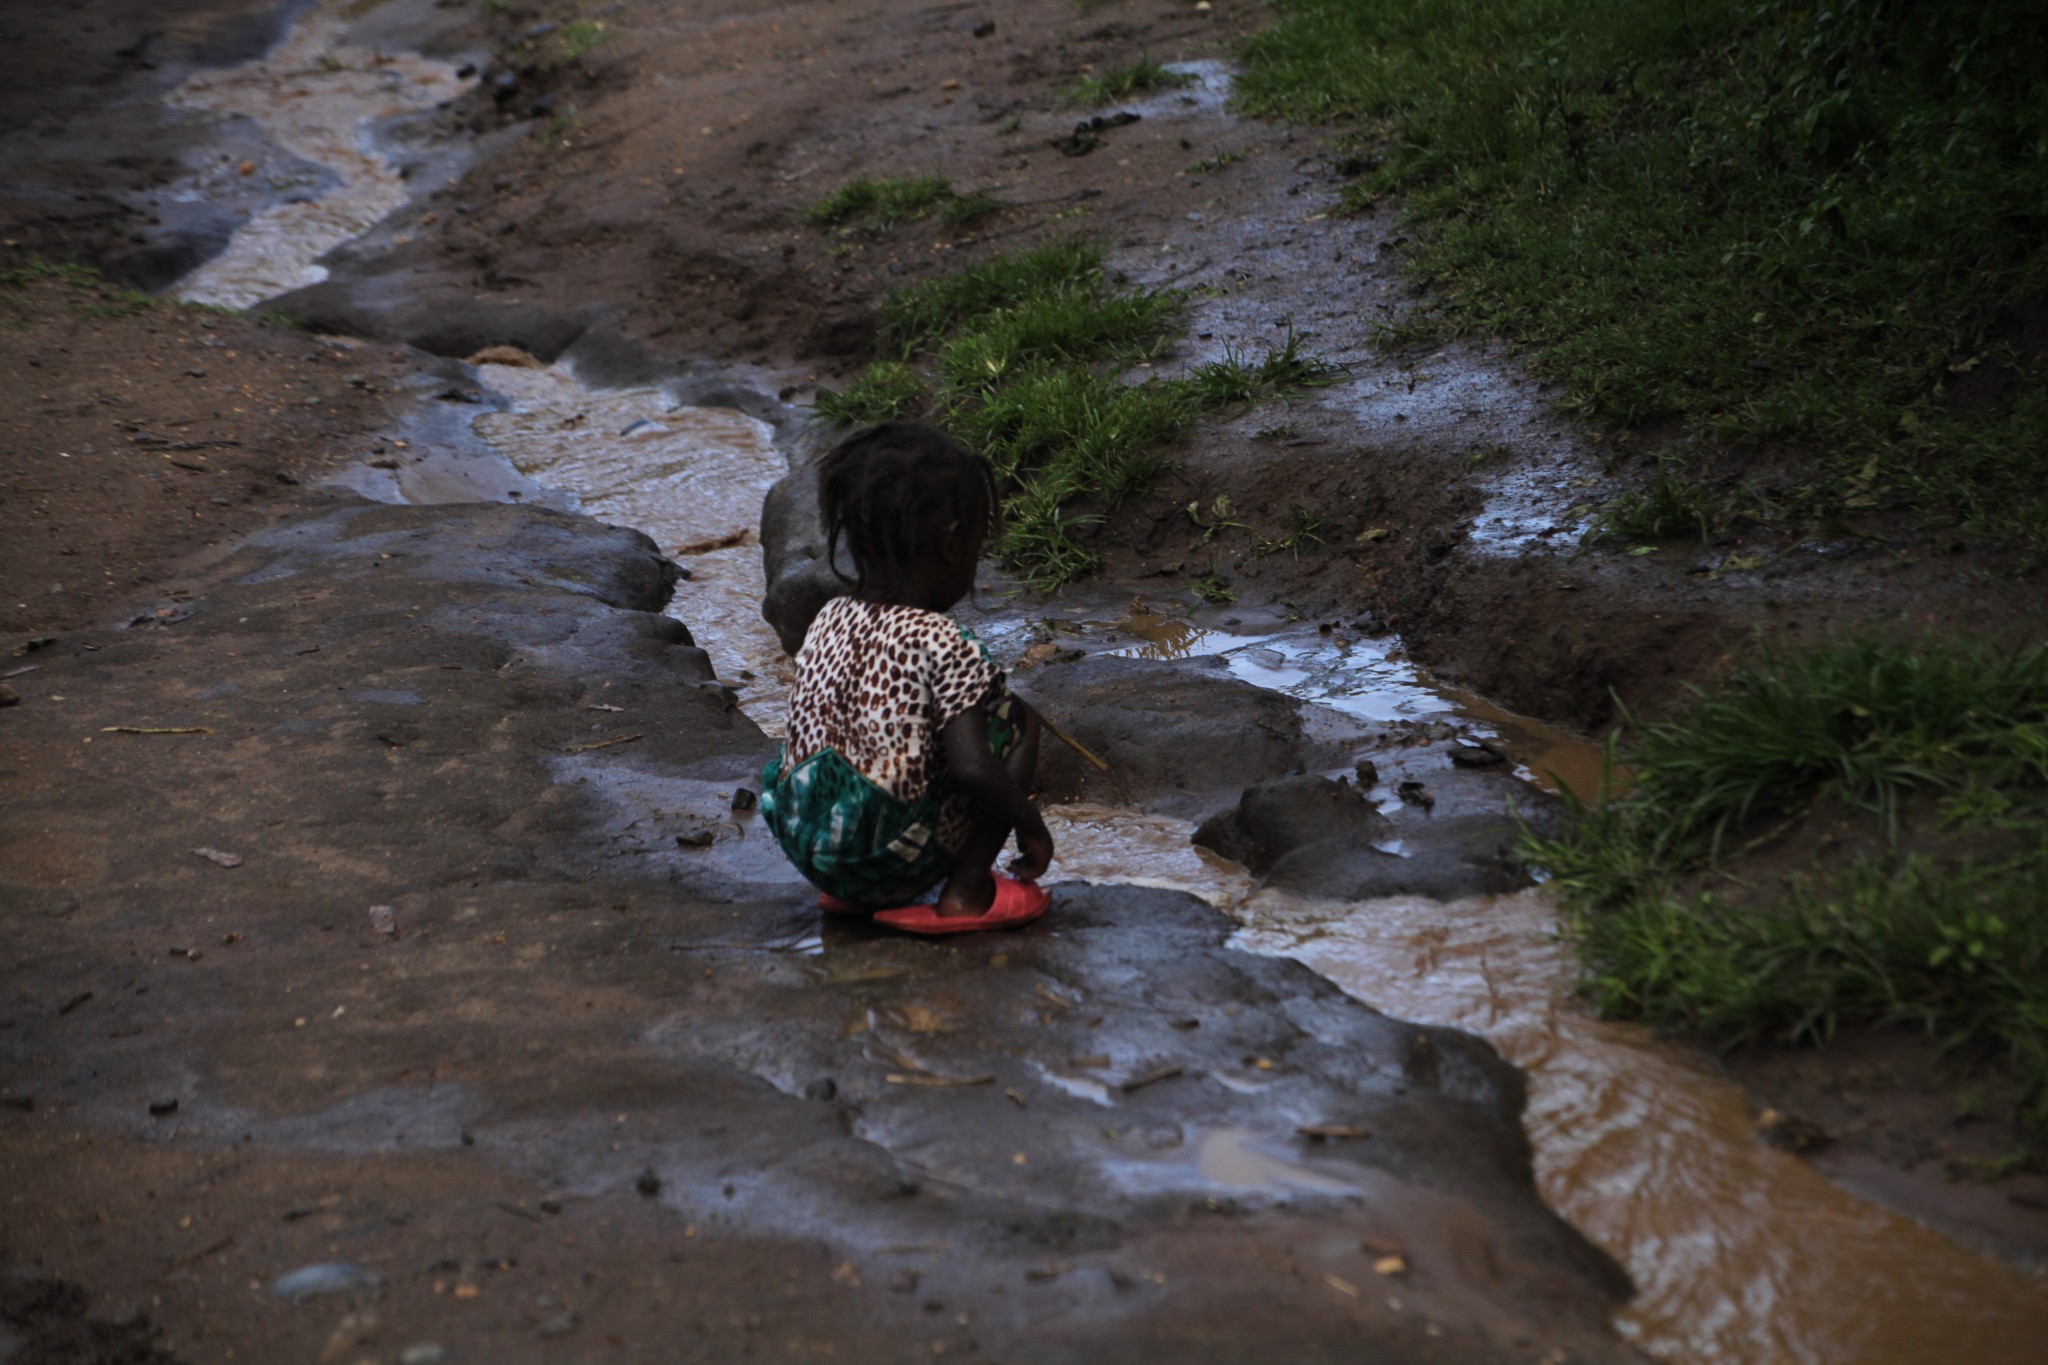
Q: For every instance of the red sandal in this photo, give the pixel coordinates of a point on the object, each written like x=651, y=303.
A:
x=1015, y=903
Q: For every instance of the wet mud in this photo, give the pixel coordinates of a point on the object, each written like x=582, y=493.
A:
x=475, y=721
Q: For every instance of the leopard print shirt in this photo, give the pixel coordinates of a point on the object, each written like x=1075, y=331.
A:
x=878, y=682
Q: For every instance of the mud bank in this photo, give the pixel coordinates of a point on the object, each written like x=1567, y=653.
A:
x=592, y=1057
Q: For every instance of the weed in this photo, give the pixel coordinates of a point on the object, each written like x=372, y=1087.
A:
x=580, y=37
x=1219, y=518
x=884, y=390
x=1942, y=923
x=556, y=133
x=1301, y=529
x=1777, y=223
x=1407, y=331
x=882, y=203
x=1009, y=126
x=1143, y=74
x=1213, y=589
x=964, y=209
x=1217, y=162
x=1669, y=508
x=914, y=316
x=1287, y=368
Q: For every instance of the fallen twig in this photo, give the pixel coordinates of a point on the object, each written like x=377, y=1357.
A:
x=602, y=744
x=1063, y=737
x=1165, y=1073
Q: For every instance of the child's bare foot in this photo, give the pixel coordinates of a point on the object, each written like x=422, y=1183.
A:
x=968, y=893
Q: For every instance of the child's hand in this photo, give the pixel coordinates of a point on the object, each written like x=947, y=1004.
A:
x=1035, y=855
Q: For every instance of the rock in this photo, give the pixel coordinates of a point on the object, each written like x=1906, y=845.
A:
x=8, y=696
x=1476, y=756
x=649, y=1184
x=423, y=1353
x=1334, y=871
x=1276, y=818
x=560, y=1325
x=824, y=1089
x=328, y=1277
x=1315, y=837
x=800, y=581
x=160, y=1108
x=1170, y=732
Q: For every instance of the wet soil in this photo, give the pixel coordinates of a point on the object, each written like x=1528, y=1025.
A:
x=139, y=435
x=636, y=207
x=390, y=909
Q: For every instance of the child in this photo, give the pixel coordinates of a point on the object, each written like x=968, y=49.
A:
x=907, y=760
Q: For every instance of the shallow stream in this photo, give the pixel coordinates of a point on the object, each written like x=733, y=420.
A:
x=1741, y=1253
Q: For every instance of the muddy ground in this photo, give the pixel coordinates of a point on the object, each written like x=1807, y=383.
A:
x=604, y=1140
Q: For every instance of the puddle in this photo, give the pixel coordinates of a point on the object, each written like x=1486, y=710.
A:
x=318, y=97
x=1354, y=683
x=1234, y=1159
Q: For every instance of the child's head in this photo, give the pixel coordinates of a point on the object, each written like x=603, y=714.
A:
x=913, y=505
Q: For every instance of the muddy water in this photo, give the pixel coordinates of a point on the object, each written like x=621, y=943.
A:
x=691, y=478
x=317, y=96
x=1740, y=1253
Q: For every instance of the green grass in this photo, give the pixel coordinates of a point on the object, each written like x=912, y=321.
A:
x=1816, y=230
x=1122, y=81
x=1023, y=357
x=893, y=199
x=105, y=299
x=580, y=37
x=1929, y=765
x=1670, y=507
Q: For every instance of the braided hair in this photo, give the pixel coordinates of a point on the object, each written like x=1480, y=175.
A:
x=894, y=491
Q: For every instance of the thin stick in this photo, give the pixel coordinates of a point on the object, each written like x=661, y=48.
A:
x=1063, y=737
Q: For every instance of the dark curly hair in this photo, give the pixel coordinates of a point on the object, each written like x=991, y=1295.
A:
x=893, y=490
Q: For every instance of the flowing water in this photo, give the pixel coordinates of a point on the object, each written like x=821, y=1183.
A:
x=317, y=96
x=1741, y=1253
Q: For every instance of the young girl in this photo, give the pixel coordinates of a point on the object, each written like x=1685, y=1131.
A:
x=907, y=760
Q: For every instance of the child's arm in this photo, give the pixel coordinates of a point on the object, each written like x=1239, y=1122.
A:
x=991, y=790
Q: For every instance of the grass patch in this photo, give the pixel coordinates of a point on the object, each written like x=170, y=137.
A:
x=885, y=390
x=1813, y=228
x=1124, y=81
x=580, y=37
x=1669, y=507
x=99, y=297
x=1930, y=766
x=893, y=199
x=1023, y=356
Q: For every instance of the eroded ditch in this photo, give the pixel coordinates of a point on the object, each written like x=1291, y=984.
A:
x=1739, y=1252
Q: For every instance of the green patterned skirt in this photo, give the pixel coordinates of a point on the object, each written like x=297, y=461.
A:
x=853, y=840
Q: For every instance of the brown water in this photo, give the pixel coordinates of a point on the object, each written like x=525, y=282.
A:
x=316, y=95
x=691, y=478
x=1741, y=1254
